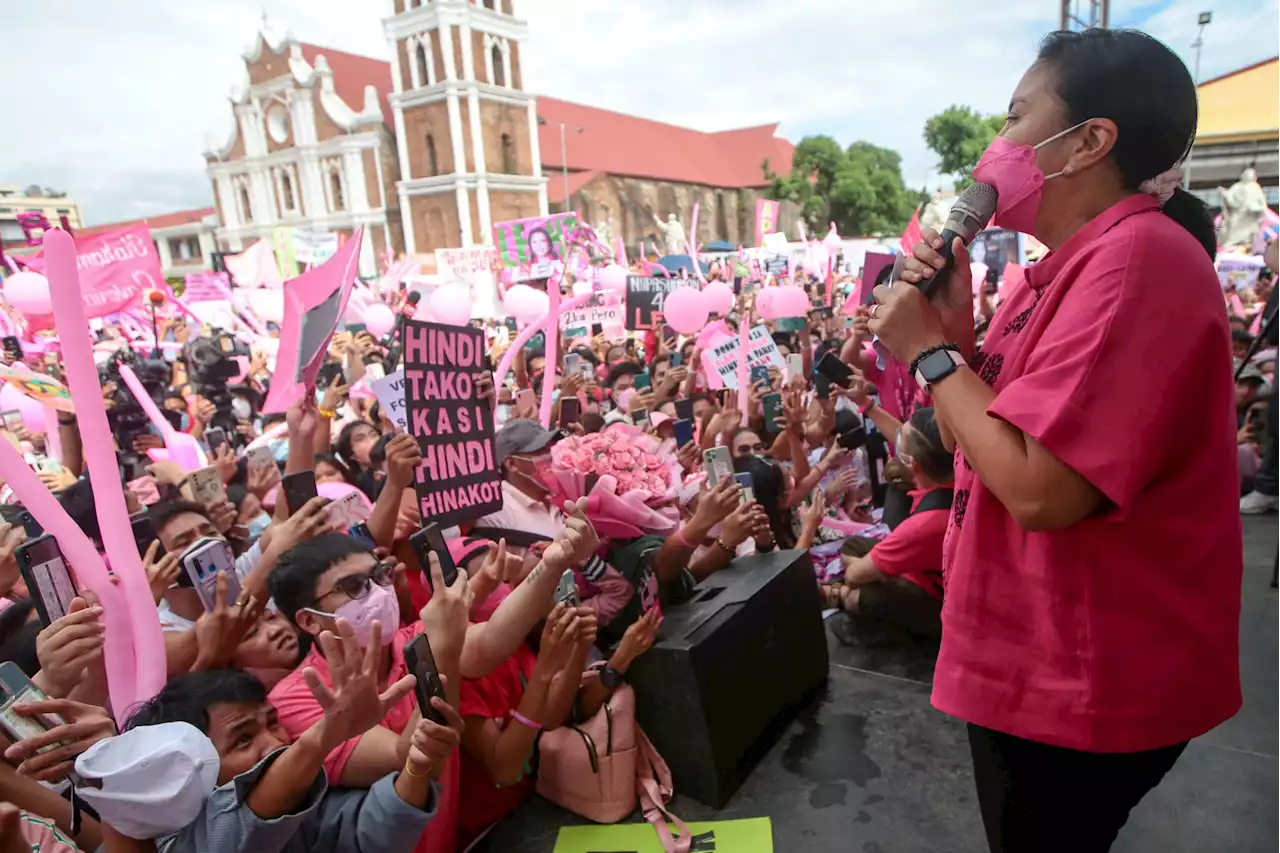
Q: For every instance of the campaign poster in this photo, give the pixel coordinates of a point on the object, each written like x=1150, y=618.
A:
x=534, y=248
x=390, y=393
x=115, y=268
x=458, y=479
x=645, y=295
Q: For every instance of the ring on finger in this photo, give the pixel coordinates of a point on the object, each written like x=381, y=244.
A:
x=874, y=309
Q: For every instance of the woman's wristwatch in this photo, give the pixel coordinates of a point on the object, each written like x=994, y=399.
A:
x=935, y=364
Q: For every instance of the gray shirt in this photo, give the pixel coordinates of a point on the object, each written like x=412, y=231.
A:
x=341, y=820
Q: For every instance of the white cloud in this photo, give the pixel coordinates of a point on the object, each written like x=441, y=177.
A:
x=115, y=97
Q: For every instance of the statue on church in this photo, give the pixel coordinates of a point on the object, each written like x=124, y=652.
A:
x=1243, y=206
x=673, y=234
x=934, y=213
x=604, y=231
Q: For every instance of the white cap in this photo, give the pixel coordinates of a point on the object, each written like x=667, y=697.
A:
x=155, y=779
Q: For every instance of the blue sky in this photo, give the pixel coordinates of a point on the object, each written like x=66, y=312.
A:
x=117, y=96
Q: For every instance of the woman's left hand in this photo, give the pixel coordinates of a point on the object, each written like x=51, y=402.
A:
x=906, y=323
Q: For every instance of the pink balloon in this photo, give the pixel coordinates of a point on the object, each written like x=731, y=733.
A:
x=764, y=302
x=790, y=300
x=28, y=292
x=379, y=319
x=613, y=277
x=32, y=412
x=451, y=304
x=582, y=286
x=526, y=304
x=719, y=297
x=267, y=304
x=686, y=309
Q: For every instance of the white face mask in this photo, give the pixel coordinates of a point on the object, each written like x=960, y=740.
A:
x=241, y=409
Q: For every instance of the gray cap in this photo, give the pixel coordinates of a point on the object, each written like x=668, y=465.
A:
x=523, y=436
x=1251, y=373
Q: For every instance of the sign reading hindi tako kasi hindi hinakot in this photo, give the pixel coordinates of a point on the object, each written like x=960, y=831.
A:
x=458, y=479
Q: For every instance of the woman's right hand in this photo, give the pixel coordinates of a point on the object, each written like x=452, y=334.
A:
x=739, y=526
x=335, y=395
x=559, y=636
x=926, y=259
x=67, y=645
x=637, y=640
x=717, y=502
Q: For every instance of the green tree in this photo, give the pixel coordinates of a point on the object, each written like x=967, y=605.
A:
x=859, y=188
x=959, y=135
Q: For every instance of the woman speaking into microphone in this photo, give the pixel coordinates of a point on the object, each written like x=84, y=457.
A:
x=1093, y=557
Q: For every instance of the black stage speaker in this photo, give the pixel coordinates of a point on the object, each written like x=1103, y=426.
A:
x=730, y=669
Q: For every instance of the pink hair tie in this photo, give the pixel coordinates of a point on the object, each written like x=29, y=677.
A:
x=525, y=721
x=1162, y=186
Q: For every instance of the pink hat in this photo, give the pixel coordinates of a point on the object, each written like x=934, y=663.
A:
x=657, y=419
x=464, y=548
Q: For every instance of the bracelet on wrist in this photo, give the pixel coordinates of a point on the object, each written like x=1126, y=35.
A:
x=732, y=552
x=684, y=539
x=327, y=414
x=408, y=771
x=525, y=721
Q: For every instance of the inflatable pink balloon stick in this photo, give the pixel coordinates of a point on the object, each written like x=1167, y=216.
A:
x=744, y=389
x=99, y=453
x=552, y=349
x=619, y=251
x=529, y=331
x=182, y=448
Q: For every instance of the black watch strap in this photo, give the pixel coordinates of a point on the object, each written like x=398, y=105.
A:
x=610, y=677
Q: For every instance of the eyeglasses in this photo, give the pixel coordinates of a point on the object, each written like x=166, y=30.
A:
x=357, y=587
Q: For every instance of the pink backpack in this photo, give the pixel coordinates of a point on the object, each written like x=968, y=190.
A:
x=601, y=767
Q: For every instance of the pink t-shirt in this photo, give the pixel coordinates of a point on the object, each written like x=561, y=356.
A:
x=298, y=711
x=913, y=551
x=1119, y=633
x=899, y=392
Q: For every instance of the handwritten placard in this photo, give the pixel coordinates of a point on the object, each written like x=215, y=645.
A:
x=609, y=316
x=390, y=393
x=761, y=350
x=458, y=479
x=207, y=287
x=645, y=295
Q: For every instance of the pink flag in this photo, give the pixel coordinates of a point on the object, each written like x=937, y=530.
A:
x=766, y=218
x=114, y=269
x=914, y=234
x=313, y=302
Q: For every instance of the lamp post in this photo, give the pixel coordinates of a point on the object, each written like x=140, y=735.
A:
x=1204, y=20
x=564, y=154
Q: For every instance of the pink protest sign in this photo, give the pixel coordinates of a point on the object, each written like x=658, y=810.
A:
x=114, y=269
x=766, y=218
x=872, y=264
x=207, y=287
x=722, y=357
x=534, y=248
x=313, y=302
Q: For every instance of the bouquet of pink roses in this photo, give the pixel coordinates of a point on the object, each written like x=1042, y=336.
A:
x=630, y=480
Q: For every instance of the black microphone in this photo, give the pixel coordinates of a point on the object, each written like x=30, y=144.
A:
x=969, y=215
x=394, y=342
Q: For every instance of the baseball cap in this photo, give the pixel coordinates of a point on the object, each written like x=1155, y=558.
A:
x=463, y=549
x=523, y=436
x=154, y=779
x=1251, y=373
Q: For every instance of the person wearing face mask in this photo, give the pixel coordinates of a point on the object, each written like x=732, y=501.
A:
x=1093, y=558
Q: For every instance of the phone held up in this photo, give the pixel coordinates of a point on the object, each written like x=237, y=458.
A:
x=421, y=662
x=424, y=542
x=47, y=577
x=567, y=590
x=298, y=488
x=202, y=562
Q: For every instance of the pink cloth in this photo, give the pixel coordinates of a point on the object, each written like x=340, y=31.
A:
x=1120, y=632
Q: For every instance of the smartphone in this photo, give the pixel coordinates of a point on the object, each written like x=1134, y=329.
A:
x=298, y=488
x=260, y=456
x=362, y=532
x=572, y=363
x=748, y=487
x=422, y=663
x=17, y=689
x=824, y=312
x=567, y=589
x=684, y=410
x=356, y=328
x=760, y=373
x=570, y=411
x=430, y=539
x=348, y=511
x=12, y=419
x=675, y=359
x=643, y=381
x=144, y=533
x=789, y=324
x=684, y=432
x=795, y=366
x=215, y=437
x=852, y=439
x=822, y=386
x=640, y=417
x=718, y=463
x=848, y=321
x=12, y=347
x=597, y=329
x=524, y=398
x=49, y=465
x=29, y=524
x=206, y=485
x=202, y=561
x=836, y=370
x=772, y=411
x=47, y=577
x=329, y=371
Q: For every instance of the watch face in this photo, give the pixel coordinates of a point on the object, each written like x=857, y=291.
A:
x=936, y=365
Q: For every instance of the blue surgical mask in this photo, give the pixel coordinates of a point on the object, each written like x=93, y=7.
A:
x=185, y=422
x=258, y=525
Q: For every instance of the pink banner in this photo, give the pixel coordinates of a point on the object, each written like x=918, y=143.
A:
x=207, y=287
x=114, y=269
x=767, y=213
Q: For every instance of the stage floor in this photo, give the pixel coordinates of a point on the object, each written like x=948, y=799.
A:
x=870, y=767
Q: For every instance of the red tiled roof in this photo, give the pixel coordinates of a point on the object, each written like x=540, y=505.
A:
x=611, y=142
x=163, y=220
x=622, y=144
x=351, y=73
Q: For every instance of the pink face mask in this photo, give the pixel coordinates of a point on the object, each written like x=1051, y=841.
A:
x=1011, y=168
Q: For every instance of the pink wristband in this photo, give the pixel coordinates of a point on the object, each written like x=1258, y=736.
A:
x=866, y=407
x=683, y=541
x=523, y=720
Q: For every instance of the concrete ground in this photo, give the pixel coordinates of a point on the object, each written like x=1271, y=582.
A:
x=870, y=767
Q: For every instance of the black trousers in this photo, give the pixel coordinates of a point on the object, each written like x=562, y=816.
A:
x=1037, y=798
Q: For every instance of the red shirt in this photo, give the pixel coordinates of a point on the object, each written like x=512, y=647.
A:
x=1119, y=633
x=298, y=711
x=913, y=551
x=493, y=697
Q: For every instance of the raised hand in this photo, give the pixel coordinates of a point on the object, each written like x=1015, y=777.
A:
x=404, y=455
x=353, y=705
x=715, y=503
x=432, y=743
x=335, y=395
x=11, y=536
x=446, y=615
x=225, y=460
x=587, y=541
x=68, y=645
x=559, y=636
x=261, y=479
x=162, y=570
x=637, y=640
x=85, y=725
x=220, y=631
x=307, y=523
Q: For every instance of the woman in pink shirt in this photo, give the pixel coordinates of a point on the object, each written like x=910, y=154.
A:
x=1093, y=557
